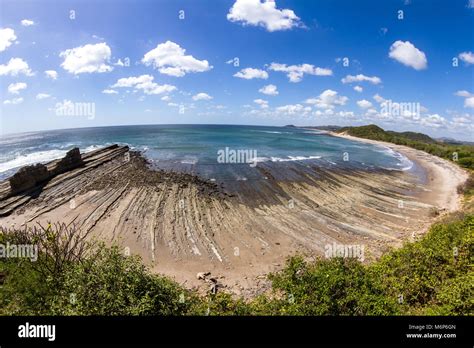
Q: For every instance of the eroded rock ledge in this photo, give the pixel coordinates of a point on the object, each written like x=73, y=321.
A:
x=182, y=225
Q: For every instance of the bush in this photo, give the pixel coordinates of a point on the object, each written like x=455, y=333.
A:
x=432, y=276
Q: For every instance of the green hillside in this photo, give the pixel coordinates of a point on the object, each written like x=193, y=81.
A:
x=459, y=153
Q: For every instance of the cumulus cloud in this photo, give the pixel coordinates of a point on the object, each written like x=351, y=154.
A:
x=269, y=90
x=327, y=100
x=87, y=59
x=379, y=99
x=358, y=89
x=15, y=88
x=170, y=59
x=143, y=83
x=467, y=57
x=263, y=13
x=293, y=109
x=41, y=96
x=295, y=72
x=433, y=121
x=109, y=91
x=27, y=22
x=51, y=74
x=15, y=67
x=7, y=37
x=463, y=93
x=469, y=102
x=263, y=103
x=469, y=98
x=251, y=73
x=364, y=104
x=13, y=101
x=361, y=78
x=407, y=54
x=202, y=96
x=166, y=98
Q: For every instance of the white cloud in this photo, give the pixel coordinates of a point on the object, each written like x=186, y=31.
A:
x=361, y=78
x=364, y=104
x=263, y=13
x=15, y=88
x=379, y=99
x=467, y=57
x=166, y=98
x=202, y=96
x=346, y=113
x=433, y=121
x=469, y=98
x=7, y=37
x=407, y=54
x=469, y=102
x=263, y=103
x=41, y=96
x=144, y=83
x=295, y=72
x=358, y=89
x=464, y=94
x=87, y=59
x=251, y=73
x=52, y=74
x=15, y=67
x=109, y=91
x=170, y=59
x=293, y=109
x=27, y=22
x=13, y=101
x=327, y=100
x=269, y=90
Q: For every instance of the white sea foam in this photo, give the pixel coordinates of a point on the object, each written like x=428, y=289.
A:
x=288, y=159
x=32, y=158
x=39, y=157
x=404, y=163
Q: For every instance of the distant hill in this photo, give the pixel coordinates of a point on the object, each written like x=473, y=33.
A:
x=463, y=154
x=326, y=128
x=453, y=141
x=414, y=136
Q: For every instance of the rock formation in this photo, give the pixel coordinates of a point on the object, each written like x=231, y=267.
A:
x=29, y=177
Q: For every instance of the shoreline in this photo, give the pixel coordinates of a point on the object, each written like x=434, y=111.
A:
x=182, y=225
x=441, y=173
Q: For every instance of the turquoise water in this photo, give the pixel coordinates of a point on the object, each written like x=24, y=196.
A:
x=195, y=148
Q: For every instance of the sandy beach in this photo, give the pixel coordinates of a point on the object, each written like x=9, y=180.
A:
x=443, y=175
x=182, y=225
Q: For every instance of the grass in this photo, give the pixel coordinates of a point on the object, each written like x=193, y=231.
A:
x=432, y=276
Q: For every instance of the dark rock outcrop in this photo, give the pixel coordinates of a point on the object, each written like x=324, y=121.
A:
x=72, y=160
x=28, y=177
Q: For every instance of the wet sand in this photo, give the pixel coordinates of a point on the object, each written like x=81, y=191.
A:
x=238, y=230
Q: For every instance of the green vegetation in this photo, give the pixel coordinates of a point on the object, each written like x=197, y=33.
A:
x=432, y=276
x=419, y=141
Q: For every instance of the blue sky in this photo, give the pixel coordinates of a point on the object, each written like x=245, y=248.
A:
x=299, y=62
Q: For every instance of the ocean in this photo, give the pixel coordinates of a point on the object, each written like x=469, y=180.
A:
x=206, y=150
